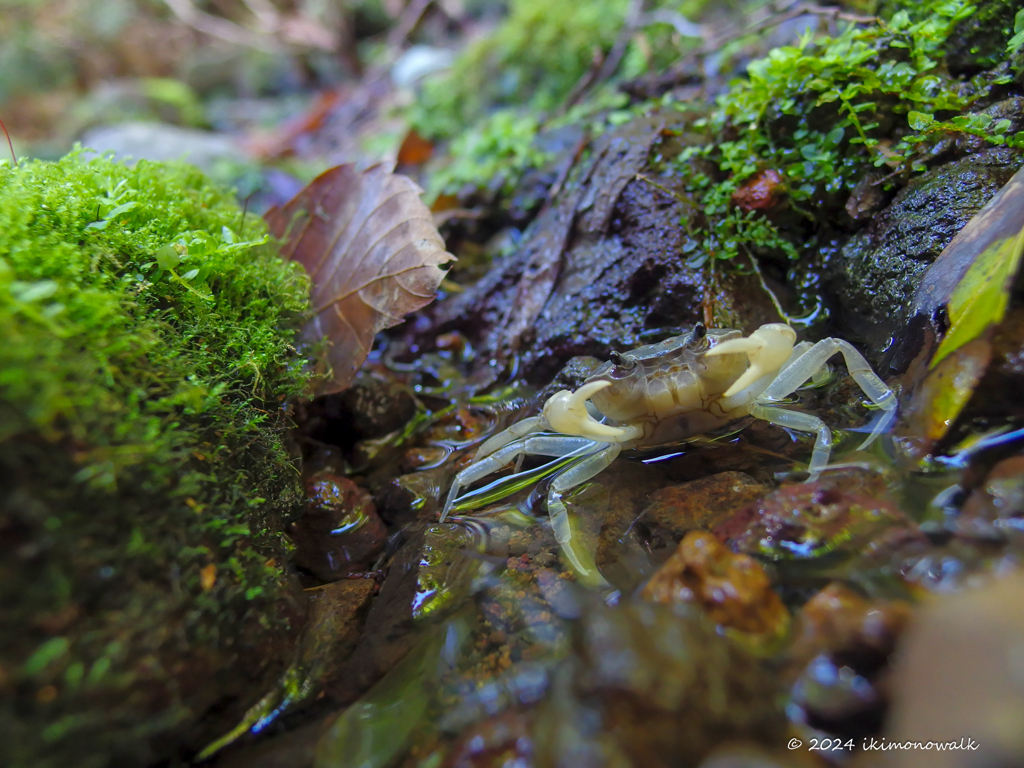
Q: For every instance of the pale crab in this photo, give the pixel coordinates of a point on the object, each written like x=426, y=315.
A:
x=666, y=392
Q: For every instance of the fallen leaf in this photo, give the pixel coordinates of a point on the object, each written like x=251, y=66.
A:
x=373, y=253
x=972, y=278
x=980, y=299
x=415, y=150
x=1001, y=220
x=941, y=397
x=761, y=192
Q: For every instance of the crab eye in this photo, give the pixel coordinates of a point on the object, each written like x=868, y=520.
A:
x=624, y=362
x=698, y=336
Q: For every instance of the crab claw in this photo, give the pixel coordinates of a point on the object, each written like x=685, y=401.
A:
x=567, y=413
x=768, y=348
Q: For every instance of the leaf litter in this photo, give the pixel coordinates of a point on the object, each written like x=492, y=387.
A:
x=373, y=255
x=972, y=278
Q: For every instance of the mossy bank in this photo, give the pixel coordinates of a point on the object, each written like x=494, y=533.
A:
x=145, y=362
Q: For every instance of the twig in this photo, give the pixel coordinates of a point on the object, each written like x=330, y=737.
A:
x=457, y=214
x=795, y=9
x=10, y=144
x=603, y=69
x=563, y=174
x=597, y=59
x=407, y=23
x=771, y=294
x=222, y=29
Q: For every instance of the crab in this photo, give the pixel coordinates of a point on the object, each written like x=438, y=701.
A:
x=666, y=392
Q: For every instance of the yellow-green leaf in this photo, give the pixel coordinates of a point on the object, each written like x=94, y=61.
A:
x=980, y=298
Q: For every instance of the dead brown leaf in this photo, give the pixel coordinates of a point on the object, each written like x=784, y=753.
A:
x=372, y=251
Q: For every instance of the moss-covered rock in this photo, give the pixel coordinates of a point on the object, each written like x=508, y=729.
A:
x=146, y=352
x=879, y=268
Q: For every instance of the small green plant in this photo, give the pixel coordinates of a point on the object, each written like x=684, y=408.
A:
x=822, y=114
x=1016, y=43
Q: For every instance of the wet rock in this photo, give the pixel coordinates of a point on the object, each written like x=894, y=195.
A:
x=1001, y=496
x=459, y=427
x=606, y=519
x=840, y=660
x=338, y=611
x=833, y=517
x=599, y=267
x=336, y=615
x=413, y=497
x=388, y=635
x=875, y=275
x=428, y=575
x=733, y=590
x=700, y=505
x=972, y=555
x=371, y=407
x=761, y=192
x=424, y=457
x=654, y=687
x=959, y=677
x=572, y=376
x=849, y=627
x=339, y=532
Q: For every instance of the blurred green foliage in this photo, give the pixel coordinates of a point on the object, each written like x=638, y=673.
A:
x=513, y=81
x=493, y=154
x=533, y=58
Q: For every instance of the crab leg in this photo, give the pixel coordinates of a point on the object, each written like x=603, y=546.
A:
x=582, y=563
x=797, y=371
x=535, y=445
x=506, y=436
x=801, y=422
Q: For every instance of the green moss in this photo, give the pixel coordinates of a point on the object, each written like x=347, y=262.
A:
x=147, y=350
x=824, y=113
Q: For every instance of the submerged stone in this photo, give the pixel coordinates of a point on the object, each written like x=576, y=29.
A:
x=733, y=589
x=339, y=531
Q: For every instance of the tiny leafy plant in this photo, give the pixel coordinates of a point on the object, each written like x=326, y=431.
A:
x=822, y=114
